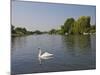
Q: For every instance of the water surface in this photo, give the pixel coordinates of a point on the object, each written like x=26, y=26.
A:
x=71, y=52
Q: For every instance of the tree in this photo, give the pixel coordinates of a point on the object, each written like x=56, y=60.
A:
x=37, y=32
x=21, y=30
x=12, y=29
x=52, y=31
x=82, y=25
x=18, y=31
x=63, y=30
x=24, y=30
x=68, y=25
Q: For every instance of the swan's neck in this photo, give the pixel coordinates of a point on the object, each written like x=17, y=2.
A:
x=40, y=52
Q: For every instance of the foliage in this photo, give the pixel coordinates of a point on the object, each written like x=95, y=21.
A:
x=68, y=25
x=37, y=32
x=77, y=27
x=82, y=24
x=12, y=29
x=19, y=31
x=52, y=31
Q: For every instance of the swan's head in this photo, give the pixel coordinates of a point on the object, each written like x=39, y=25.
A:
x=38, y=48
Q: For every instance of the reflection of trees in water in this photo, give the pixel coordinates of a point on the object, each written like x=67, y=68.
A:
x=12, y=43
x=77, y=43
x=84, y=42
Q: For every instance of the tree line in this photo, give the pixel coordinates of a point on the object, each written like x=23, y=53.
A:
x=80, y=26
x=71, y=26
x=18, y=31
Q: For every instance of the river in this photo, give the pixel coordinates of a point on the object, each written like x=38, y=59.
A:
x=71, y=52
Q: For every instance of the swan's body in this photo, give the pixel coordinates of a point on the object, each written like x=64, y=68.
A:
x=44, y=55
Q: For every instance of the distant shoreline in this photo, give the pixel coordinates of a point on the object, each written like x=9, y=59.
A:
x=81, y=26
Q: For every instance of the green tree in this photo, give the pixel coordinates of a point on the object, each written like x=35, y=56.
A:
x=52, y=31
x=12, y=29
x=63, y=30
x=82, y=25
x=68, y=25
x=37, y=32
x=24, y=30
x=21, y=30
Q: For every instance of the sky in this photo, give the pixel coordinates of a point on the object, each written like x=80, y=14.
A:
x=46, y=16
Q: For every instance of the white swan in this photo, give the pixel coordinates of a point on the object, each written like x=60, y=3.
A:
x=44, y=55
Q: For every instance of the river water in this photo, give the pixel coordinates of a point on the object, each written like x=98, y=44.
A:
x=71, y=52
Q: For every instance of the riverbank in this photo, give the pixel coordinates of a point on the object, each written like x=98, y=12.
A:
x=18, y=35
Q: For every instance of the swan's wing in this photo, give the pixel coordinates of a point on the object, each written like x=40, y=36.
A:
x=46, y=54
x=46, y=57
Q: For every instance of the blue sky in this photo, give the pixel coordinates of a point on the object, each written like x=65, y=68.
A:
x=46, y=16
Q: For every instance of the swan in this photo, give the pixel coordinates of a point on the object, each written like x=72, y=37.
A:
x=44, y=55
